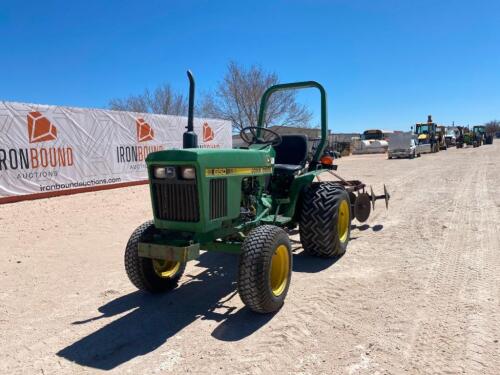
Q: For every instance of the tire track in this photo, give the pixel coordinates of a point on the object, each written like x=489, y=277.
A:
x=440, y=340
x=483, y=318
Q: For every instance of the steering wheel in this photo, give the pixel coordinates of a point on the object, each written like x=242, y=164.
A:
x=267, y=136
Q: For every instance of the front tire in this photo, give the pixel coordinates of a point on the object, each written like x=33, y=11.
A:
x=150, y=275
x=325, y=220
x=265, y=269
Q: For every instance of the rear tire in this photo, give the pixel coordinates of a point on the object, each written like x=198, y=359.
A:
x=150, y=275
x=325, y=223
x=265, y=269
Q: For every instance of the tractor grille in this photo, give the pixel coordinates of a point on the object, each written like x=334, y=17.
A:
x=176, y=200
x=218, y=198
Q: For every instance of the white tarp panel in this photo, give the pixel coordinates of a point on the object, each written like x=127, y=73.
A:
x=49, y=149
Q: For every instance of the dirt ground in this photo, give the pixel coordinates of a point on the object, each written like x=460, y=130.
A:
x=418, y=290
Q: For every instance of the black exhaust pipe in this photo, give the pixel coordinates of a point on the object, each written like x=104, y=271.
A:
x=189, y=138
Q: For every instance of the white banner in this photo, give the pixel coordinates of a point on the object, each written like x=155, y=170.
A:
x=50, y=150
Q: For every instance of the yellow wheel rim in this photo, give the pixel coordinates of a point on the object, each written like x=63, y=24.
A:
x=343, y=221
x=280, y=268
x=165, y=268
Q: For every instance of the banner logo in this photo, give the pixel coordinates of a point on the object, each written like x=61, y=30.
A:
x=208, y=133
x=138, y=153
x=34, y=161
x=144, y=131
x=40, y=129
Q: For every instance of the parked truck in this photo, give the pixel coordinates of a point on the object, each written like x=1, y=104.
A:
x=403, y=145
x=451, y=136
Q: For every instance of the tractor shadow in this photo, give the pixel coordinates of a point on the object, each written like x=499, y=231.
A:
x=302, y=262
x=153, y=319
x=363, y=227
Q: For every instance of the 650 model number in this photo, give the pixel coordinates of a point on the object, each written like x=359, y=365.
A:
x=211, y=172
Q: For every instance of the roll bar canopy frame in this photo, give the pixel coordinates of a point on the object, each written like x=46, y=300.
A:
x=294, y=86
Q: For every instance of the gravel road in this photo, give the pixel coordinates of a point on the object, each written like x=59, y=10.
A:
x=418, y=290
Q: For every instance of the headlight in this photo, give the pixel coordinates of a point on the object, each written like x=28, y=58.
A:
x=164, y=172
x=159, y=172
x=188, y=173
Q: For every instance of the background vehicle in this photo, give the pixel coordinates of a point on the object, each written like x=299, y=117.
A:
x=441, y=137
x=466, y=137
x=451, y=136
x=460, y=136
x=243, y=201
x=403, y=145
x=426, y=135
x=481, y=136
x=371, y=142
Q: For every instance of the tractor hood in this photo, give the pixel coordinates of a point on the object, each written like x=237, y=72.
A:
x=215, y=157
x=423, y=136
x=200, y=204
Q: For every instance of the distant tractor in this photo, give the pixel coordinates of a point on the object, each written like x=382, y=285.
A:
x=466, y=137
x=485, y=137
x=472, y=138
x=479, y=134
x=488, y=139
x=243, y=201
x=427, y=136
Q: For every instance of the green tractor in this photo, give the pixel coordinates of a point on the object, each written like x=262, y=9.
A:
x=466, y=137
x=482, y=137
x=479, y=132
x=471, y=138
x=243, y=201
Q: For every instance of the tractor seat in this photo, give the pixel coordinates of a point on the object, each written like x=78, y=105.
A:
x=291, y=154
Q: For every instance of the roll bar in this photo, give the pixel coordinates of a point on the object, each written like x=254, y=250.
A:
x=295, y=86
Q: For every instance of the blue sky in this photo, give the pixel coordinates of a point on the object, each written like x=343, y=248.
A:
x=384, y=64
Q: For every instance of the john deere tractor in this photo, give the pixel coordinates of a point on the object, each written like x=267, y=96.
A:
x=481, y=136
x=243, y=201
x=470, y=138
